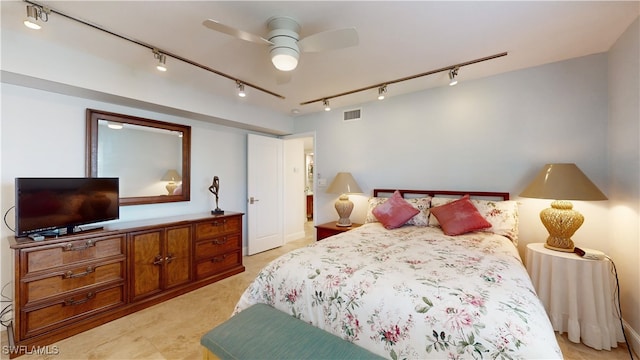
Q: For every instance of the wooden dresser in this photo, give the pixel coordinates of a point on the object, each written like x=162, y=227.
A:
x=73, y=283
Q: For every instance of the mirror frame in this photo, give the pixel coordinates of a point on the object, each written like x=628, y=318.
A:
x=92, y=152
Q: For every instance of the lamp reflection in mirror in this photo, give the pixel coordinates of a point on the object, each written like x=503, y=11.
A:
x=562, y=182
x=171, y=176
x=344, y=184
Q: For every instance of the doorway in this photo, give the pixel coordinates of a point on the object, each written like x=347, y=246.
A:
x=299, y=184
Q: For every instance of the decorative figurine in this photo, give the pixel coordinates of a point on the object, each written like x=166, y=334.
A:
x=215, y=188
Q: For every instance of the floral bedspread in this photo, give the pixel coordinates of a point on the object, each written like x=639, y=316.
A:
x=412, y=293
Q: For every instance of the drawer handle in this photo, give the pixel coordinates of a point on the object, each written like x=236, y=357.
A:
x=220, y=241
x=158, y=260
x=72, y=301
x=219, y=258
x=69, y=246
x=219, y=223
x=70, y=275
x=169, y=258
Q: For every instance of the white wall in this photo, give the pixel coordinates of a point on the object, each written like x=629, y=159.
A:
x=492, y=134
x=43, y=134
x=294, y=194
x=624, y=171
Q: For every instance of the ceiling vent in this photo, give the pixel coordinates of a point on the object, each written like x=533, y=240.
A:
x=352, y=115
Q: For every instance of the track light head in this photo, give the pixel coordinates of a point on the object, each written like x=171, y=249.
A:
x=325, y=103
x=162, y=60
x=240, y=86
x=382, y=90
x=452, y=76
x=35, y=13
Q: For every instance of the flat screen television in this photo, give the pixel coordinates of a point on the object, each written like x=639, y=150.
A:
x=62, y=205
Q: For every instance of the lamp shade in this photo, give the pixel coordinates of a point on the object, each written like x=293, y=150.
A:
x=562, y=181
x=344, y=183
x=171, y=175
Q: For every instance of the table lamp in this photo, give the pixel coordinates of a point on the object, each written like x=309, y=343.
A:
x=344, y=184
x=562, y=182
x=171, y=176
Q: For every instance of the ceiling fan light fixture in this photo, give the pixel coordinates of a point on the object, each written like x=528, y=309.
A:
x=452, y=76
x=284, y=58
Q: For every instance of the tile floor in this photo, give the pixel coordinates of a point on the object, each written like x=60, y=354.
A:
x=172, y=330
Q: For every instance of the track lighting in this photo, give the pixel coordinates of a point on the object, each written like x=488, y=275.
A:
x=452, y=76
x=162, y=60
x=381, y=91
x=453, y=72
x=325, y=103
x=33, y=14
x=241, y=92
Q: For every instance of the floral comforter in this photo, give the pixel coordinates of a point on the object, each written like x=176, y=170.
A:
x=412, y=293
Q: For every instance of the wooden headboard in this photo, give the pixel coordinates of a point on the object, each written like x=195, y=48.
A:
x=476, y=194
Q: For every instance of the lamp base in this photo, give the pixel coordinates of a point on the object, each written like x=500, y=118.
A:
x=344, y=206
x=344, y=222
x=171, y=187
x=561, y=222
x=563, y=249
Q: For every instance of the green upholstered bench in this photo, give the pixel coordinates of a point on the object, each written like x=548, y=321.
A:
x=262, y=332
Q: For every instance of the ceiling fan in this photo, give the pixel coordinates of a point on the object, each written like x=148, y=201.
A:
x=284, y=40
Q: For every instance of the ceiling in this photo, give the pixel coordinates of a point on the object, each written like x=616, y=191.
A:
x=396, y=39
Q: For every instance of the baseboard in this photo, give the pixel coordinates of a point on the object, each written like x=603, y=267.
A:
x=294, y=236
x=633, y=338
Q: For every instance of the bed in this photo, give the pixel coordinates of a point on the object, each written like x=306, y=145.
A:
x=412, y=291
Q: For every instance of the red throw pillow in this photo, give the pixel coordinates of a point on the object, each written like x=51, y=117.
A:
x=459, y=217
x=394, y=212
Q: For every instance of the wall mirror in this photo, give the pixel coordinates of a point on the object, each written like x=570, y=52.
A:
x=151, y=157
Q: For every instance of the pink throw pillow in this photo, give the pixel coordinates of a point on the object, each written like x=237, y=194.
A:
x=459, y=217
x=394, y=212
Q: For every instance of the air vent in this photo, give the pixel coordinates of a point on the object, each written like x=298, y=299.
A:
x=352, y=115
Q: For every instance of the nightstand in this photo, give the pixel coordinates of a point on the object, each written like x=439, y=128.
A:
x=323, y=231
x=577, y=294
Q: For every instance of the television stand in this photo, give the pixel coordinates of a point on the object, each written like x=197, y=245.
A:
x=72, y=283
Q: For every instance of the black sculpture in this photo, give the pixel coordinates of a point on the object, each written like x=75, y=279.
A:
x=215, y=188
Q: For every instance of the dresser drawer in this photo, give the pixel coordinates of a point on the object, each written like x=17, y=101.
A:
x=208, y=248
x=48, y=316
x=218, y=263
x=74, y=279
x=217, y=227
x=71, y=252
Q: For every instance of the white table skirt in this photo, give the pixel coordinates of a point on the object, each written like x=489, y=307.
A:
x=577, y=294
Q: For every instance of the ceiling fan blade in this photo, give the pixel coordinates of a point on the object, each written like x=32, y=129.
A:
x=283, y=77
x=329, y=40
x=240, y=34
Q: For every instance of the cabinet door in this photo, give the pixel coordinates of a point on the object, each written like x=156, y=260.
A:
x=146, y=263
x=178, y=256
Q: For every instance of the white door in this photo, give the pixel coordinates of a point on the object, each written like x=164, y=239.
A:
x=265, y=192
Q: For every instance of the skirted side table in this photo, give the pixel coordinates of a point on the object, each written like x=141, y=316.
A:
x=577, y=294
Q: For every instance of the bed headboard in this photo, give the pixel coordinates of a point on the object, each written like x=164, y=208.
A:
x=477, y=194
